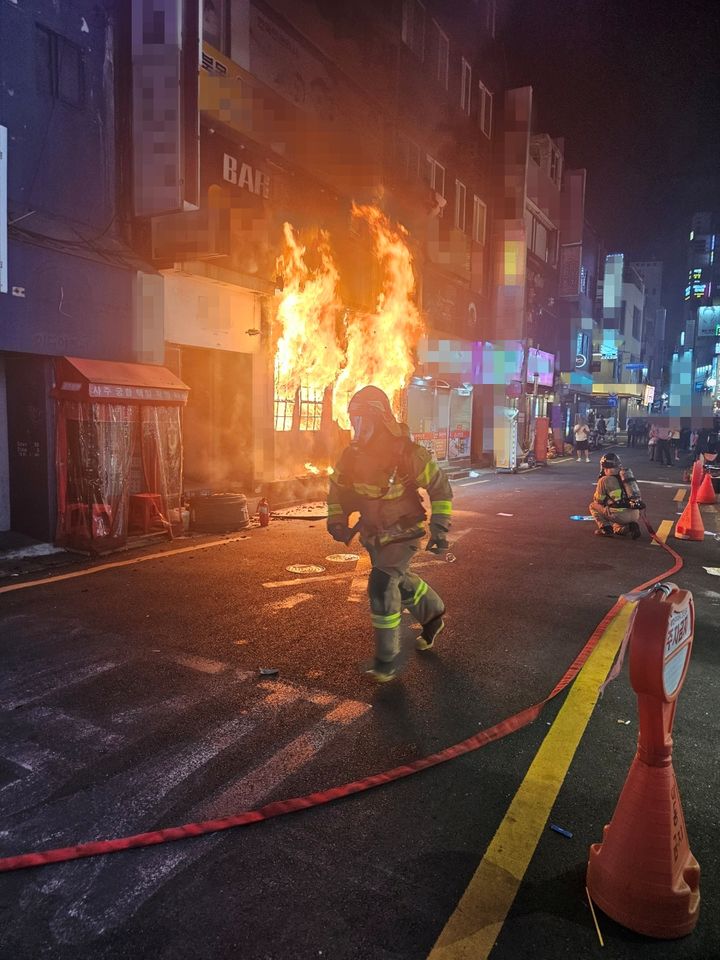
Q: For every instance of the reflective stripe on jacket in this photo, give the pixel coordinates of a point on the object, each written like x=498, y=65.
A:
x=609, y=492
x=387, y=496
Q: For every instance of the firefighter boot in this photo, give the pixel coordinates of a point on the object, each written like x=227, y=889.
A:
x=430, y=631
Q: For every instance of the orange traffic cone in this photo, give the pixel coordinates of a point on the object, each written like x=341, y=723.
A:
x=706, y=491
x=643, y=874
x=696, y=478
x=690, y=525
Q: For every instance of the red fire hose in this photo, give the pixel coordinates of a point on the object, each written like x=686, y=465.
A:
x=280, y=807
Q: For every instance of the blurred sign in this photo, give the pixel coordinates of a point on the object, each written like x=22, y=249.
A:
x=708, y=322
x=580, y=361
x=542, y=364
x=648, y=396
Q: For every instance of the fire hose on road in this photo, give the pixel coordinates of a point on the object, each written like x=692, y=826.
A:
x=280, y=807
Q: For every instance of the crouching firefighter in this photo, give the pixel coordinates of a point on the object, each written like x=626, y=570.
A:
x=616, y=503
x=378, y=475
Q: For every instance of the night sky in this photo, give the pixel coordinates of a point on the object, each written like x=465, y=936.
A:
x=634, y=87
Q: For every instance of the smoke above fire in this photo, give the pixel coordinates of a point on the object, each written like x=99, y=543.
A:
x=322, y=345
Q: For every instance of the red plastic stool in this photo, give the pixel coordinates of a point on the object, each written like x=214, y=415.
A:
x=146, y=513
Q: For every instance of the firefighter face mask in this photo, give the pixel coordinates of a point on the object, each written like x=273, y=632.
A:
x=363, y=429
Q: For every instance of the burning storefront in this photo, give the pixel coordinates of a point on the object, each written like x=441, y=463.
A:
x=118, y=452
x=326, y=351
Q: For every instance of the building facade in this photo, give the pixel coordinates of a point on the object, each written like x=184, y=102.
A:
x=70, y=284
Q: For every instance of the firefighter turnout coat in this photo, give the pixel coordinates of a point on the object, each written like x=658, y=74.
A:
x=383, y=488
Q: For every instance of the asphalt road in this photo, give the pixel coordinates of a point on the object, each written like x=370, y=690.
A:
x=131, y=699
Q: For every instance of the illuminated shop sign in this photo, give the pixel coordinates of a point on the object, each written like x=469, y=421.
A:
x=708, y=321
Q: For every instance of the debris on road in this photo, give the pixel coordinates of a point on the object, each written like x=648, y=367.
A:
x=713, y=571
x=561, y=830
x=304, y=568
x=269, y=671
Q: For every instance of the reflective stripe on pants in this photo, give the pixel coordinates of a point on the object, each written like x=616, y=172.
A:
x=619, y=517
x=402, y=589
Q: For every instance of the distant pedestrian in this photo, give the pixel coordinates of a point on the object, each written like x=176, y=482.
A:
x=652, y=442
x=675, y=444
x=634, y=427
x=664, y=451
x=581, y=432
x=601, y=427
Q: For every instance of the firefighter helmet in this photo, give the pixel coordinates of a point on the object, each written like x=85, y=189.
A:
x=610, y=461
x=370, y=408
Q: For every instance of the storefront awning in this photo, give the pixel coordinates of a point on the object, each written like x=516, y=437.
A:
x=620, y=389
x=112, y=382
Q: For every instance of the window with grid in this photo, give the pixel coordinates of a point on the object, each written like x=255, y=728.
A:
x=311, y=404
x=460, y=194
x=465, y=86
x=443, y=56
x=284, y=411
x=479, y=219
x=413, y=27
x=283, y=406
x=485, y=107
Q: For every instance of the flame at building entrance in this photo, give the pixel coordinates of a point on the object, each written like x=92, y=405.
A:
x=381, y=345
x=316, y=352
x=308, y=356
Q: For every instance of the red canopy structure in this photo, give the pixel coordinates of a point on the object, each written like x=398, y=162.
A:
x=118, y=452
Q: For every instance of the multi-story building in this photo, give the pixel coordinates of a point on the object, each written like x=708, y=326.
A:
x=618, y=339
x=304, y=109
x=70, y=286
x=654, y=342
x=534, y=336
x=697, y=354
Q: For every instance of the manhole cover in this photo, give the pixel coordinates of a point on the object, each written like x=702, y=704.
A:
x=305, y=568
x=342, y=557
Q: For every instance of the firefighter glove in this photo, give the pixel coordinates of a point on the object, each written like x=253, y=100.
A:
x=340, y=532
x=437, y=543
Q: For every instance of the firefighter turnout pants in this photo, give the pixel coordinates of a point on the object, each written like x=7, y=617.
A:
x=391, y=587
x=618, y=517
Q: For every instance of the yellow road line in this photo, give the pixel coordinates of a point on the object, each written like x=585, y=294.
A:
x=118, y=563
x=473, y=928
x=680, y=496
x=663, y=532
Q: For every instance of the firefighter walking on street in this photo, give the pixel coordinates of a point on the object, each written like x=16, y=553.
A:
x=378, y=475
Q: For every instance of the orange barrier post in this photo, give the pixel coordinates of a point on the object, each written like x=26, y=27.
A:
x=643, y=874
x=706, y=491
x=690, y=525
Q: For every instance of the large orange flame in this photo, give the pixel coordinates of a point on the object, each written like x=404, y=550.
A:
x=307, y=354
x=381, y=346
